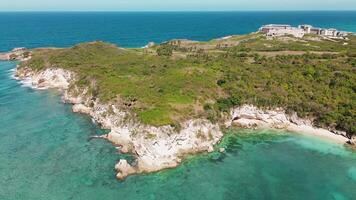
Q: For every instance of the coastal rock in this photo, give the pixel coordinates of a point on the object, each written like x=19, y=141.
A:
x=293, y=118
x=80, y=108
x=165, y=149
x=222, y=150
x=337, y=132
x=69, y=97
x=353, y=140
x=20, y=54
x=249, y=116
x=121, y=137
x=49, y=78
x=124, y=169
x=157, y=148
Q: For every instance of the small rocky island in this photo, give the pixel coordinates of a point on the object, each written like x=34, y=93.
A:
x=166, y=101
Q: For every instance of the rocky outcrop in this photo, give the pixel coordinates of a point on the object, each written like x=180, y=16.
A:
x=81, y=108
x=249, y=116
x=124, y=169
x=21, y=54
x=353, y=140
x=157, y=148
x=50, y=78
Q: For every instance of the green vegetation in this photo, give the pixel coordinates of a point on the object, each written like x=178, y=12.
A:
x=180, y=80
x=165, y=50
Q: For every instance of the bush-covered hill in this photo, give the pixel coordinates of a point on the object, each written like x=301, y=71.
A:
x=178, y=80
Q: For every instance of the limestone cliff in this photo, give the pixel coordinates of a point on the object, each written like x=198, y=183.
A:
x=157, y=148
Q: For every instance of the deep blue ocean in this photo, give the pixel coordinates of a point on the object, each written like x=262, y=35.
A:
x=137, y=29
x=46, y=154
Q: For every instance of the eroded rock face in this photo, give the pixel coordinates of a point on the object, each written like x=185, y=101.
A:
x=157, y=148
x=21, y=54
x=249, y=116
x=124, y=169
x=49, y=78
x=164, y=147
x=353, y=140
x=80, y=108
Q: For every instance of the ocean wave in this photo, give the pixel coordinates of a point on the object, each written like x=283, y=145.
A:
x=24, y=82
x=11, y=73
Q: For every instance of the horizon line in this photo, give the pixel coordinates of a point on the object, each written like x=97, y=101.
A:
x=298, y=10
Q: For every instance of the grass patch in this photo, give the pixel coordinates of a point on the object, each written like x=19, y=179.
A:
x=165, y=90
x=156, y=116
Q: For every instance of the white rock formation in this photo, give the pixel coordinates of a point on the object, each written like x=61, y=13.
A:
x=353, y=140
x=249, y=116
x=20, y=54
x=50, y=78
x=157, y=148
x=80, y=108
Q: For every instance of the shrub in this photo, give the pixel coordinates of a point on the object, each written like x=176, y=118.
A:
x=165, y=50
x=224, y=105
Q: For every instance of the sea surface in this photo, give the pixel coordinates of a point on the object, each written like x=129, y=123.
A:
x=46, y=154
x=132, y=29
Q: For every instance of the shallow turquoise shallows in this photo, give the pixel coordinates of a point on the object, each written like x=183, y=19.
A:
x=45, y=154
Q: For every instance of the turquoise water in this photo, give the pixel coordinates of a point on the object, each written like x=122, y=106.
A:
x=45, y=154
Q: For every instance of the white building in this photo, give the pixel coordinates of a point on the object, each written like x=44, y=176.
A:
x=275, y=30
x=342, y=34
x=267, y=28
x=306, y=28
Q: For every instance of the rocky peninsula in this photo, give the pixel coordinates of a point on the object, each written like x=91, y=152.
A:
x=166, y=101
x=20, y=53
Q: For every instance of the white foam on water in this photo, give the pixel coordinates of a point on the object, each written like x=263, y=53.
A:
x=24, y=82
x=11, y=73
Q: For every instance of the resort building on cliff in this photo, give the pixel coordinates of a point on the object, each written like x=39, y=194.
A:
x=276, y=30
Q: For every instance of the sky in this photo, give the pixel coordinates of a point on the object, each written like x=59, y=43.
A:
x=174, y=5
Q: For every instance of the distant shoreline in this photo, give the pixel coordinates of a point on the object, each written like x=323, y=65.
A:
x=170, y=11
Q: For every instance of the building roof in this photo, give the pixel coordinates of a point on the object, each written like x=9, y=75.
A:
x=277, y=25
x=306, y=25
